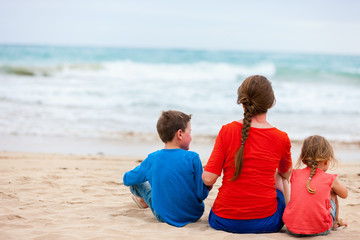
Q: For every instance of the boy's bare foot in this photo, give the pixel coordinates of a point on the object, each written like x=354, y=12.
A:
x=339, y=224
x=139, y=201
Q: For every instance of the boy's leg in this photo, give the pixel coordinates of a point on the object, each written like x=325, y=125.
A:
x=142, y=192
x=139, y=201
x=283, y=186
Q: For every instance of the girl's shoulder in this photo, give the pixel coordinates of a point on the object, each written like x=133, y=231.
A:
x=301, y=171
x=306, y=171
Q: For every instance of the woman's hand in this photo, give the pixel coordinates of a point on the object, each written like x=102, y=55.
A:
x=286, y=175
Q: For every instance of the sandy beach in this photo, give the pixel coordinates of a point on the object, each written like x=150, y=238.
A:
x=68, y=196
x=82, y=86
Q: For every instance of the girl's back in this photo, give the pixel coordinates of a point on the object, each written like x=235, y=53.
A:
x=309, y=213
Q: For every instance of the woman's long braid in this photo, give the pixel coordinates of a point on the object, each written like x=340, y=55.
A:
x=313, y=165
x=257, y=96
x=239, y=156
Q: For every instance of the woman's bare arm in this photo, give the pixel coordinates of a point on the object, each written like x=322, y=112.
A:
x=209, y=178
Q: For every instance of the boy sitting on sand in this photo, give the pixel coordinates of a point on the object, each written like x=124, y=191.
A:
x=169, y=180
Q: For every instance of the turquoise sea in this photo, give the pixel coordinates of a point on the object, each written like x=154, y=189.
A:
x=109, y=93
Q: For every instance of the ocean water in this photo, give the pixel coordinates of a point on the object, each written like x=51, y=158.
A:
x=112, y=93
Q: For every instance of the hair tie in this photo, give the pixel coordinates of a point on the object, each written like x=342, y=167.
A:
x=243, y=143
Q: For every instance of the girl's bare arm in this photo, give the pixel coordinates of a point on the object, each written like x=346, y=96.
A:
x=339, y=189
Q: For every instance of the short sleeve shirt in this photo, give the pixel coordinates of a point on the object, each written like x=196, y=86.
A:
x=252, y=195
x=308, y=213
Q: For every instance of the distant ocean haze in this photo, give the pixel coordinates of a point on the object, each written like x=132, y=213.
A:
x=113, y=92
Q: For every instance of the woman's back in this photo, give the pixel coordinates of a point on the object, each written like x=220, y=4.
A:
x=248, y=201
x=252, y=195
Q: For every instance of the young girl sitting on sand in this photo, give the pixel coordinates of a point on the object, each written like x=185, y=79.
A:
x=313, y=208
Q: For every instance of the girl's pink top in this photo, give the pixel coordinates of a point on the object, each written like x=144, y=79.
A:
x=309, y=213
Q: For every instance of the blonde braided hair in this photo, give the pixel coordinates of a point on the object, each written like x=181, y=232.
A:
x=315, y=149
x=313, y=165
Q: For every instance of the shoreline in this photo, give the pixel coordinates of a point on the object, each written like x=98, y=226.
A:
x=133, y=145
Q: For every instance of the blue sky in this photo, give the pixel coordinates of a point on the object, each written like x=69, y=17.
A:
x=317, y=26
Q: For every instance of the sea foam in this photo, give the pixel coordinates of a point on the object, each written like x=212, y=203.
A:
x=104, y=93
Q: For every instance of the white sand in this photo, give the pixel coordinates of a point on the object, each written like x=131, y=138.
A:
x=62, y=196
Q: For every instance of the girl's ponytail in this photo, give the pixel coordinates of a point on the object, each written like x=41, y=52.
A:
x=313, y=165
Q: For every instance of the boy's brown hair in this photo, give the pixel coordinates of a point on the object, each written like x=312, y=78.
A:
x=170, y=122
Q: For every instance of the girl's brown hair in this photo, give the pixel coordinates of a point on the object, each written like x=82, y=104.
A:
x=315, y=149
x=257, y=96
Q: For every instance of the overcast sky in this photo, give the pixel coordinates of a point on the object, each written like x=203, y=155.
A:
x=323, y=26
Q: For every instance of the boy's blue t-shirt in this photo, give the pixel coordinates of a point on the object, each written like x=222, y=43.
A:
x=177, y=190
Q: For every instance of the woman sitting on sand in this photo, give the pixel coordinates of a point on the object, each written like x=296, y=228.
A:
x=251, y=154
